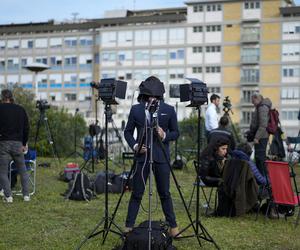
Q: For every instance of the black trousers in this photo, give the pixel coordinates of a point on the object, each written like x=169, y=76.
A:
x=162, y=176
x=260, y=155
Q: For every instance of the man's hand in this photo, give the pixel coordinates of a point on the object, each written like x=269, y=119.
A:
x=256, y=141
x=161, y=132
x=142, y=150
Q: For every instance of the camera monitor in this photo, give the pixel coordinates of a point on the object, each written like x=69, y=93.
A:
x=110, y=88
x=196, y=92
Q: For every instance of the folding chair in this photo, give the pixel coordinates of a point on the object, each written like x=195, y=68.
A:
x=202, y=187
x=30, y=163
x=281, y=185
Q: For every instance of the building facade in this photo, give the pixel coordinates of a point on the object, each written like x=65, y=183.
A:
x=236, y=47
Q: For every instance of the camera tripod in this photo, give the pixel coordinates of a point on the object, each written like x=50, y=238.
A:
x=74, y=153
x=106, y=220
x=43, y=119
x=233, y=129
x=194, y=224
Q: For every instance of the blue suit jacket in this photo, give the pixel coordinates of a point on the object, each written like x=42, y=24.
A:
x=167, y=120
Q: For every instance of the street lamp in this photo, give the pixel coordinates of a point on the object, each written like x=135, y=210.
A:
x=36, y=68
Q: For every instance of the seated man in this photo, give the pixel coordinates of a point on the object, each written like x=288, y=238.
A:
x=243, y=152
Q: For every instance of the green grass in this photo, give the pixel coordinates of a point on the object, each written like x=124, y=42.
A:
x=50, y=222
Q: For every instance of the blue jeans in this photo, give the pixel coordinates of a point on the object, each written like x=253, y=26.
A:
x=260, y=155
x=162, y=176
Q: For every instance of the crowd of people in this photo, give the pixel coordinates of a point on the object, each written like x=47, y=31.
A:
x=224, y=163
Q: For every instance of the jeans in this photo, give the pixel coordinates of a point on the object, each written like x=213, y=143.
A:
x=12, y=150
x=162, y=176
x=260, y=155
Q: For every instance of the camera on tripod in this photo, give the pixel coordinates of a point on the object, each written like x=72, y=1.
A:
x=42, y=105
x=227, y=105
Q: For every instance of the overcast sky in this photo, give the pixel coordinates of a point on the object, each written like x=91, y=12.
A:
x=24, y=11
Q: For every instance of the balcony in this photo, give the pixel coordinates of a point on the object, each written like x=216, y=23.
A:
x=250, y=60
x=246, y=102
x=250, y=38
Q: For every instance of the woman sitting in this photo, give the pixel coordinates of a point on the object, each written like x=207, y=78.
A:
x=212, y=162
x=243, y=152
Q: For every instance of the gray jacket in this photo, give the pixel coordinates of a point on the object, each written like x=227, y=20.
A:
x=260, y=118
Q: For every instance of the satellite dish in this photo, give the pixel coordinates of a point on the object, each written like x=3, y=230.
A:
x=36, y=67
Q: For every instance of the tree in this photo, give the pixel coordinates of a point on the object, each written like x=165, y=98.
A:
x=60, y=121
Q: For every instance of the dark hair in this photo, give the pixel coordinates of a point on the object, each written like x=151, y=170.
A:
x=212, y=148
x=6, y=95
x=214, y=97
x=245, y=147
x=224, y=121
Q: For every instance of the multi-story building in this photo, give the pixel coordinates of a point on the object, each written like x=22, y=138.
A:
x=236, y=47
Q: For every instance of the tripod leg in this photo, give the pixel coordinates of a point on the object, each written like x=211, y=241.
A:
x=120, y=199
x=50, y=139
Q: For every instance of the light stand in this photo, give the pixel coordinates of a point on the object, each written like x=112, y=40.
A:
x=108, y=90
x=106, y=219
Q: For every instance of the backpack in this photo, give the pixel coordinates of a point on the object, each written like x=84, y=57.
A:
x=273, y=121
x=137, y=239
x=80, y=188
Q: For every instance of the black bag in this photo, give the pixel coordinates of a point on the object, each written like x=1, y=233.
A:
x=137, y=239
x=99, y=184
x=79, y=188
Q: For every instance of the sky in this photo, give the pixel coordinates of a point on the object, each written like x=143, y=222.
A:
x=24, y=11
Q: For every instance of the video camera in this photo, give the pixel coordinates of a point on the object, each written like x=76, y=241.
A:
x=227, y=105
x=42, y=105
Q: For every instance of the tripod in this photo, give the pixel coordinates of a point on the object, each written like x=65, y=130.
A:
x=200, y=231
x=75, y=153
x=233, y=129
x=204, y=235
x=43, y=118
x=106, y=220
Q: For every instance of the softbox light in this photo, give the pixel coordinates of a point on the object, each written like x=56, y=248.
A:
x=110, y=88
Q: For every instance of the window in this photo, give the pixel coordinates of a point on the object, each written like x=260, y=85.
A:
x=176, y=73
x=71, y=60
x=290, y=93
x=159, y=36
x=252, y=5
x=197, y=50
x=30, y=44
x=176, y=54
x=124, y=56
x=246, y=95
x=291, y=115
x=142, y=37
x=197, y=29
x=85, y=41
x=71, y=42
x=125, y=37
x=159, y=54
x=213, y=7
x=109, y=38
x=197, y=70
x=109, y=56
x=250, y=54
x=176, y=35
x=213, y=49
x=292, y=71
x=214, y=90
x=70, y=97
x=246, y=117
x=198, y=8
x=213, y=28
x=250, y=75
x=141, y=55
x=213, y=69
x=42, y=60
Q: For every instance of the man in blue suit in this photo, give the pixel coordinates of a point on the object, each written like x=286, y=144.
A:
x=166, y=130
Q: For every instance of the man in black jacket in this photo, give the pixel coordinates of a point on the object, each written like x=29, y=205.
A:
x=14, y=130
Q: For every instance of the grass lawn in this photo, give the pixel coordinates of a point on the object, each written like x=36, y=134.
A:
x=50, y=222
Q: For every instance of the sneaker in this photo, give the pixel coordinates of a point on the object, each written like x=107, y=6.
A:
x=8, y=199
x=26, y=198
x=1, y=192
